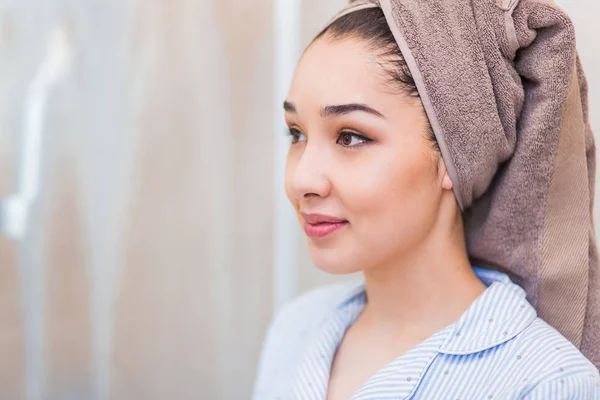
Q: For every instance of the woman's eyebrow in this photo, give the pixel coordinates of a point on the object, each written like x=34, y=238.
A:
x=341, y=109
x=336, y=110
x=289, y=107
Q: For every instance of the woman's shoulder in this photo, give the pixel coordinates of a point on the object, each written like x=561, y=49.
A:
x=306, y=310
x=291, y=329
x=553, y=356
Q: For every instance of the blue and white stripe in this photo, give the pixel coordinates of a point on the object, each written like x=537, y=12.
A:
x=498, y=349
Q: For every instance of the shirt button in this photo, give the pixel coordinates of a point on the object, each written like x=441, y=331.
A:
x=408, y=378
x=518, y=357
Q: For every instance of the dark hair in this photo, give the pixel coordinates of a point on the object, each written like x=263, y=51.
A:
x=370, y=25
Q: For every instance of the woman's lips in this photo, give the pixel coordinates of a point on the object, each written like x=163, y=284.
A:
x=319, y=225
x=322, y=229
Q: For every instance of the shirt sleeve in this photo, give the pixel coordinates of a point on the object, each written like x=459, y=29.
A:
x=572, y=387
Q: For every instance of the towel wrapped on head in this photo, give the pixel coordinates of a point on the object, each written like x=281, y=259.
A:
x=504, y=91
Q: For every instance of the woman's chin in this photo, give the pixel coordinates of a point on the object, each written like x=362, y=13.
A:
x=332, y=262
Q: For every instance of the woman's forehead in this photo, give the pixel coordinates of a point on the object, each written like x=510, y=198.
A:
x=336, y=72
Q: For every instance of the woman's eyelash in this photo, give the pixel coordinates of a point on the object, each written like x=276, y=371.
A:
x=290, y=132
x=349, y=134
x=295, y=135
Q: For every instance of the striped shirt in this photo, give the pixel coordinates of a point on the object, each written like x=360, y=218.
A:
x=498, y=349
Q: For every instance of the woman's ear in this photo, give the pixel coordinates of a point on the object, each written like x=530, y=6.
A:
x=446, y=181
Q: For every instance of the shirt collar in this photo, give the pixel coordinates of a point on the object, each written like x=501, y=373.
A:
x=500, y=313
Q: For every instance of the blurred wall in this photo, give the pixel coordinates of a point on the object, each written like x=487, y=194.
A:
x=146, y=270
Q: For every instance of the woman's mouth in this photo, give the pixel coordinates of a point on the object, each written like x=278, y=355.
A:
x=318, y=225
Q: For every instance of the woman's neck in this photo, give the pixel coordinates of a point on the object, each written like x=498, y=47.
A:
x=422, y=292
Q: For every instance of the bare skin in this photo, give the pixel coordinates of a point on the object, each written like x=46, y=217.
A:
x=403, y=226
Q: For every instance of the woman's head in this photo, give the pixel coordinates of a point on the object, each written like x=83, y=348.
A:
x=362, y=150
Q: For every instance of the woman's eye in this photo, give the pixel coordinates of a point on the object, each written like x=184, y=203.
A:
x=350, y=139
x=296, y=135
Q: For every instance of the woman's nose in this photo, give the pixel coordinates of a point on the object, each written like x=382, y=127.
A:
x=309, y=176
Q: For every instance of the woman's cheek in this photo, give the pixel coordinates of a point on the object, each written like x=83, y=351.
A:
x=376, y=185
x=390, y=197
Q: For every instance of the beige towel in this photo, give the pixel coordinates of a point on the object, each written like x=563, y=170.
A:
x=506, y=96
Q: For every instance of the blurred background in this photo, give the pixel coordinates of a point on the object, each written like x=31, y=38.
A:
x=146, y=240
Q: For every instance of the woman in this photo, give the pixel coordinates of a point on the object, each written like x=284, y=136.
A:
x=380, y=141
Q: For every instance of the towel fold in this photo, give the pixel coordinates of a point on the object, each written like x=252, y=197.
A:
x=505, y=93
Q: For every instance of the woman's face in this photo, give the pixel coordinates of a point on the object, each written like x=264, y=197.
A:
x=361, y=173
